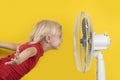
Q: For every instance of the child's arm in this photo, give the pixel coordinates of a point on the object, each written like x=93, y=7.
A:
x=10, y=46
x=24, y=55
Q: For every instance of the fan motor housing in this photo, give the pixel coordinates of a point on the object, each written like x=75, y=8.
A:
x=100, y=41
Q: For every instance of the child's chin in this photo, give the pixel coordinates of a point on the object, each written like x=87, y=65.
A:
x=56, y=48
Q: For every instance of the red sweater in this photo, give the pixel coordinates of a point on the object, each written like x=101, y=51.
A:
x=15, y=72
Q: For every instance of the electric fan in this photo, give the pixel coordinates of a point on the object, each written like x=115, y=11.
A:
x=88, y=44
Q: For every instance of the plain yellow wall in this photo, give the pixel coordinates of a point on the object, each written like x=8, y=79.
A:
x=17, y=18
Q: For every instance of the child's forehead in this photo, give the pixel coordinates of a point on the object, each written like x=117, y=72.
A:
x=59, y=33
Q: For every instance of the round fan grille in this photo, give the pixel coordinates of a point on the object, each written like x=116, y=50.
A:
x=83, y=42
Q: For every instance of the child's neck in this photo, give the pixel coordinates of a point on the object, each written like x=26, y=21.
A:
x=45, y=46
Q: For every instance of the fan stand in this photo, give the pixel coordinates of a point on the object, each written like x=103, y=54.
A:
x=100, y=42
x=100, y=74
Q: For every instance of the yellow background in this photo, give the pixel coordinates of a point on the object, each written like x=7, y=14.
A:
x=17, y=18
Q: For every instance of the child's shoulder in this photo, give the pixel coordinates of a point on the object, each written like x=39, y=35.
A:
x=26, y=45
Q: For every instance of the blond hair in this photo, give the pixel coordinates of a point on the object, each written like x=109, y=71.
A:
x=43, y=28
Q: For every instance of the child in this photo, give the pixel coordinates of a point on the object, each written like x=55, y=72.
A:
x=47, y=35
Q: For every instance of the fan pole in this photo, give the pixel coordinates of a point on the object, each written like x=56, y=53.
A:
x=100, y=75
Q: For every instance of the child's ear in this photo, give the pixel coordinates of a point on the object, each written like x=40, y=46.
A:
x=47, y=39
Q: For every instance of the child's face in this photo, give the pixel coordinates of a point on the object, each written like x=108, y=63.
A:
x=56, y=40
